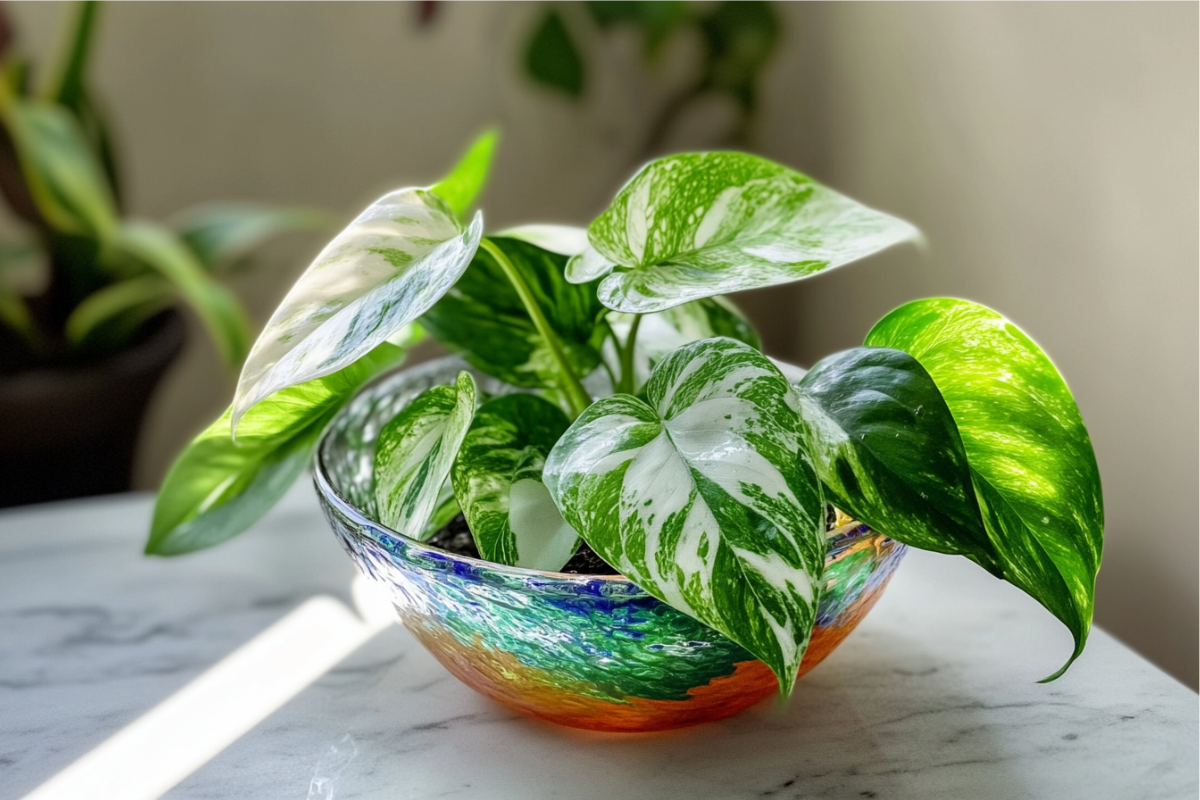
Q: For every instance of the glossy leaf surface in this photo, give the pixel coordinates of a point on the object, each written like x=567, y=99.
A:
x=885, y=445
x=483, y=317
x=700, y=497
x=383, y=271
x=498, y=482
x=565, y=240
x=702, y=224
x=466, y=179
x=415, y=451
x=217, y=487
x=1032, y=465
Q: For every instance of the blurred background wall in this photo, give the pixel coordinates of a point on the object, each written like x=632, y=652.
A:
x=1048, y=151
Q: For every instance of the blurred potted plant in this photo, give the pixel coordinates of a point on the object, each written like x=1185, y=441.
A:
x=88, y=296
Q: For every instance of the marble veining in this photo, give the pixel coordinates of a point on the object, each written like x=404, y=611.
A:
x=934, y=696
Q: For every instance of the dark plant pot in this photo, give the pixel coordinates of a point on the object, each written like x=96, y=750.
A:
x=72, y=431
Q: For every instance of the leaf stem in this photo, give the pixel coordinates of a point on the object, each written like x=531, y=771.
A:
x=577, y=396
x=627, y=376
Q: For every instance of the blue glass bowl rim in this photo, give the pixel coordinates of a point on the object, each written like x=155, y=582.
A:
x=368, y=529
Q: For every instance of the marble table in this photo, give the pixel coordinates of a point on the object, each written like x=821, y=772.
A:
x=255, y=671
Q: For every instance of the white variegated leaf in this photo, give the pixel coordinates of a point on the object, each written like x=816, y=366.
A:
x=702, y=224
x=498, y=482
x=415, y=452
x=382, y=272
x=565, y=240
x=701, y=496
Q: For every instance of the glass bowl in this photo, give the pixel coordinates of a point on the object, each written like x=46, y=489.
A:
x=592, y=652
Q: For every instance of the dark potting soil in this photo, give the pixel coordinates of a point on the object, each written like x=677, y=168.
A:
x=456, y=537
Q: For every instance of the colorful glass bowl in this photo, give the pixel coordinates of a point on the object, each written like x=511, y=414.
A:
x=591, y=652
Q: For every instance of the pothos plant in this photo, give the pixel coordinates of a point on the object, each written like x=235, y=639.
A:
x=648, y=423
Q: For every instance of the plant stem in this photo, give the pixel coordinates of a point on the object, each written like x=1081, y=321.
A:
x=577, y=396
x=627, y=376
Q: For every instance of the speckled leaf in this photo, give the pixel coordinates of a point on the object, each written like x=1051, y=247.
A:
x=483, y=318
x=886, y=447
x=386, y=269
x=700, y=497
x=664, y=331
x=217, y=487
x=415, y=451
x=1032, y=465
x=498, y=482
x=701, y=224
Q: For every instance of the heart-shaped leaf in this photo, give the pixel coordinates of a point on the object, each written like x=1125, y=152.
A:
x=1031, y=460
x=702, y=224
x=483, y=317
x=415, y=451
x=217, y=488
x=383, y=271
x=701, y=498
x=498, y=482
x=886, y=447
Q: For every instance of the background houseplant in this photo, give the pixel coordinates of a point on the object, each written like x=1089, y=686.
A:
x=705, y=483
x=87, y=294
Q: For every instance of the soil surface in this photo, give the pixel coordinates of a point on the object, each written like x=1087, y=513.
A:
x=456, y=537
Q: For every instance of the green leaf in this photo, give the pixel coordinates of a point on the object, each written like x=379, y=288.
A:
x=483, y=317
x=382, y=272
x=702, y=224
x=1032, y=465
x=552, y=59
x=68, y=85
x=466, y=180
x=415, y=451
x=65, y=180
x=886, y=447
x=159, y=249
x=740, y=38
x=656, y=19
x=217, y=487
x=224, y=233
x=700, y=497
x=119, y=308
x=498, y=482
x=664, y=331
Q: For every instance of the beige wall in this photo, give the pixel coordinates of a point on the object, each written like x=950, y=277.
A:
x=1048, y=151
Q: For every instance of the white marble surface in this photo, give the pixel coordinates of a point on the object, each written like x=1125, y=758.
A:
x=935, y=696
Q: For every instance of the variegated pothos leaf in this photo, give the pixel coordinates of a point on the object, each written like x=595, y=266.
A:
x=415, y=451
x=498, y=482
x=701, y=224
x=382, y=272
x=565, y=240
x=1032, y=466
x=701, y=496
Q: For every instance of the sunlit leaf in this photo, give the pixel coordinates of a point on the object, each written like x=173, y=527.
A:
x=1031, y=460
x=885, y=445
x=415, y=451
x=466, y=180
x=383, y=271
x=702, y=224
x=565, y=240
x=483, y=317
x=700, y=497
x=217, y=488
x=498, y=481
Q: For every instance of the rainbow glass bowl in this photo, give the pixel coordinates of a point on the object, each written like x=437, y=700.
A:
x=591, y=652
